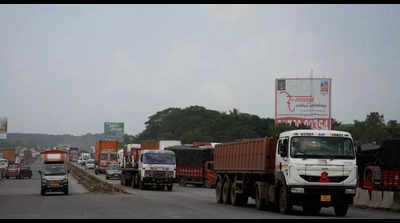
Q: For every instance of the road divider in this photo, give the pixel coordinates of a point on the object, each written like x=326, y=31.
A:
x=377, y=199
x=92, y=182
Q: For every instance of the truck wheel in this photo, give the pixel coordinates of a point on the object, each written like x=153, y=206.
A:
x=42, y=192
x=122, y=181
x=341, y=209
x=226, y=191
x=260, y=202
x=207, y=183
x=95, y=172
x=141, y=185
x=218, y=190
x=66, y=191
x=7, y=177
x=236, y=197
x=285, y=205
x=182, y=182
x=169, y=187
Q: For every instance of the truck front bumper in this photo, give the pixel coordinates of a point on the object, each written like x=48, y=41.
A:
x=326, y=195
x=157, y=181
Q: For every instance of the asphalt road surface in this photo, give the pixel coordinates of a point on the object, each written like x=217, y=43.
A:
x=22, y=199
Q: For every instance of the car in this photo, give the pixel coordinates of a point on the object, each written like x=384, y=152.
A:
x=13, y=170
x=113, y=171
x=54, y=177
x=25, y=172
x=90, y=164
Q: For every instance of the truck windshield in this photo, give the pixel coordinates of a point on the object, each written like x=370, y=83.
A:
x=321, y=147
x=54, y=170
x=113, y=156
x=103, y=156
x=158, y=158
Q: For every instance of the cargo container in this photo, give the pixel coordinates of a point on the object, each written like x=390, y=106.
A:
x=54, y=156
x=310, y=168
x=194, y=166
x=106, y=153
x=9, y=154
x=161, y=145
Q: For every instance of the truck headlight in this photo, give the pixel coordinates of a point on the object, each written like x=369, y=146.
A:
x=350, y=191
x=297, y=190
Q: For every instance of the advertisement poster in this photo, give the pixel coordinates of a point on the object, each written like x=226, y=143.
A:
x=114, y=131
x=304, y=101
x=3, y=128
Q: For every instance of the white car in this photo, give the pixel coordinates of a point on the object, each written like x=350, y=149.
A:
x=90, y=164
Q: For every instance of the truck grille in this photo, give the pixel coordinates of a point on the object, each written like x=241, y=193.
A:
x=336, y=179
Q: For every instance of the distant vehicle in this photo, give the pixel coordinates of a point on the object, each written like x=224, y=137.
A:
x=90, y=164
x=113, y=171
x=194, y=165
x=3, y=167
x=106, y=154
x=25, y=172
x=146, y=167
x=54, y=173
x=75, y=160
x=80, y=161
x=13, y=170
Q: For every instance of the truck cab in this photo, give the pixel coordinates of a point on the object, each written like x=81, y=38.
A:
x=316, y=168
x=156, y=167
x=106, y=158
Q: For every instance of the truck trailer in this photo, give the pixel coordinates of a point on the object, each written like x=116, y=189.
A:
x=378, y=166
x=194, y=166
x=310, y=168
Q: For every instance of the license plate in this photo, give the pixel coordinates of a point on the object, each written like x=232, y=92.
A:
x=325, y=198
x=55, y=184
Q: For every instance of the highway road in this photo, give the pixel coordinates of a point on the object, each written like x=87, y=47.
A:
x=22, y=199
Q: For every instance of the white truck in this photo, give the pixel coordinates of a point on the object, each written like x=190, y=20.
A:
x=310, y=168
x=149, y=168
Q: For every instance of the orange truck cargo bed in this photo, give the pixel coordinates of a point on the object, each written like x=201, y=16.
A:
x=249, y=156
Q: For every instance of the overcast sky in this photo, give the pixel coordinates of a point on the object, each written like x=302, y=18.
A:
x=70, y=68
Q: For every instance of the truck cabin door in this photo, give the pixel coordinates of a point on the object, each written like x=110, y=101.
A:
x=282, y=156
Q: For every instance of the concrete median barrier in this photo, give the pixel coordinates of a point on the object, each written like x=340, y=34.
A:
x=92, y=182
x=377, y=199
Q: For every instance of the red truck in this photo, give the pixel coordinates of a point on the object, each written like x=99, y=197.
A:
x=378, y=166
x=194, y=166
x=106, y=153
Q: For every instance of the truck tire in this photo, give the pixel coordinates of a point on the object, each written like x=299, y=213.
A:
x=218, y=190
x=285, y=205
x=237, y=199
x=42, y=192
x=95, y=172
x=66, y=191
x=122, y=180
x=169, y=187
x=226, y=191
x=141, y=185
x=182, y=182
x=260, y=202
x=341, y=209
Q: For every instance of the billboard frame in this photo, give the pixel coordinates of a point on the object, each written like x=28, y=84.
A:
x=305, y=78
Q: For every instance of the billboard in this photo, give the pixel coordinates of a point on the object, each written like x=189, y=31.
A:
x=3, y=128
x=304, y=101
x=114, y=131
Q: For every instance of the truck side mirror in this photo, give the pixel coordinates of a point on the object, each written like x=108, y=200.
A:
x=283, y=149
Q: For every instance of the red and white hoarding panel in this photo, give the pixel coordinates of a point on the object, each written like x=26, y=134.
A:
x=304, y=100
